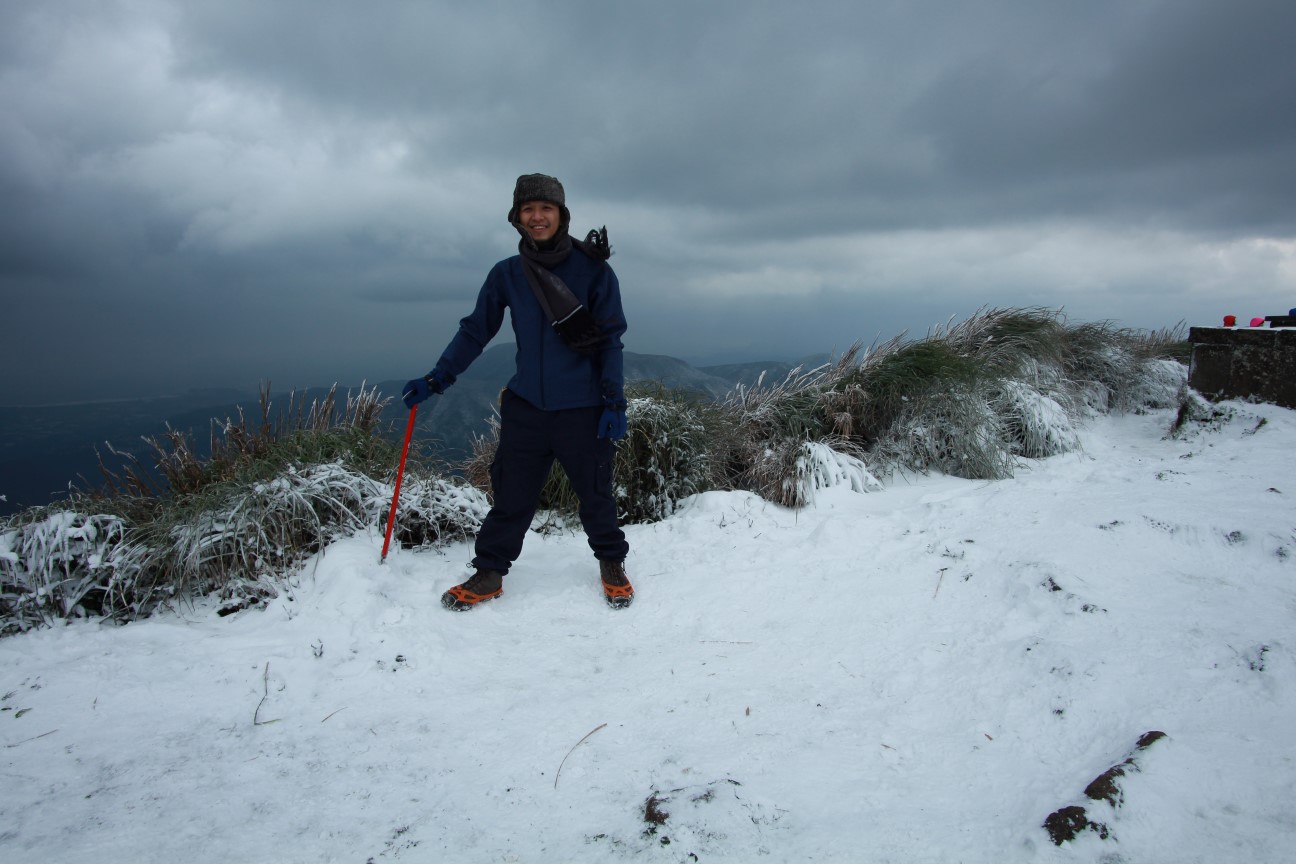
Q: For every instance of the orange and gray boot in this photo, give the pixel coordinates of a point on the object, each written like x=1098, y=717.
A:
x=481, y=586
x=616, y=587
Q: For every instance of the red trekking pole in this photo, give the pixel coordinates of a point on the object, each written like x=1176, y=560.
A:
x=400, y=472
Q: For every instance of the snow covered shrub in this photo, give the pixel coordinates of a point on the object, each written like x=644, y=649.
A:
x=236, y=539
x=955, y=431
x=1101, y=366
x=822, y=465
x=1124, y=370
x=1037, y=425
x=789, y=472
x=54, y=563
x=784, y=440
x=897, y=377
x=235, y=524
x=772, y=472
x=239, y=540
x=476, y=468
x=1001, y=339
x=797, y=408
x=434, y=510
x=1100, y=376
x=665, y=457
x=1004, y=383
x=1157, y=384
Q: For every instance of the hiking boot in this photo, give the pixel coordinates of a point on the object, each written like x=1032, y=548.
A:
x=481, y=586
x=616, y=587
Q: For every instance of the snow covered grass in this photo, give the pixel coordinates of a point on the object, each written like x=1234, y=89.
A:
x=53, y=565
x=235, y=542
x=435, y=510
x=233, y=524
x=968, y=400
x=245, y=451
x=925, y=674
x=668, y=455
x=971, y=400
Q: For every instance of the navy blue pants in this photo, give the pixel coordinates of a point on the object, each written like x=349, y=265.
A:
x=529, y=442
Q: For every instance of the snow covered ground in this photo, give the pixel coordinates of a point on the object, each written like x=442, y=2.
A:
x=920, y=674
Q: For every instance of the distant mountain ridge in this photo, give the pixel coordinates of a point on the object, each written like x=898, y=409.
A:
x=44, y=449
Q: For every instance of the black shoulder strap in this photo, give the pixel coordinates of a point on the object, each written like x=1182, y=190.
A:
x=556, y=299
x=566, y=314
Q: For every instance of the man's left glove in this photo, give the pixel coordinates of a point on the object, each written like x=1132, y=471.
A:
x=421, y=388
x=613, y=422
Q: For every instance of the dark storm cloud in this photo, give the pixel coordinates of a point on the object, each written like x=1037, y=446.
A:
x=200, y=192
x=1176, y=116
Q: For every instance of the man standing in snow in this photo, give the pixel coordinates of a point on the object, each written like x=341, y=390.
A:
x=567, y=398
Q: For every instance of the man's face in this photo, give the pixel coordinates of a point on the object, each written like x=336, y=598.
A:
x=541, y=219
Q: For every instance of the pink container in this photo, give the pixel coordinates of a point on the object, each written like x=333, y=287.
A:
x=1257, y=322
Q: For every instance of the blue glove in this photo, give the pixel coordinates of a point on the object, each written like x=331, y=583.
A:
x=613, y=422
x=421, y=388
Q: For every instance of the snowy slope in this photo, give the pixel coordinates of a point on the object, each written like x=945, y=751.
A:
x=920, y=674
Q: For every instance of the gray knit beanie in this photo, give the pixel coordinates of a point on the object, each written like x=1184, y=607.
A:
x=539, y=187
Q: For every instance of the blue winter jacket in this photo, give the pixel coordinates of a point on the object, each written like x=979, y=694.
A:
x=550, y=375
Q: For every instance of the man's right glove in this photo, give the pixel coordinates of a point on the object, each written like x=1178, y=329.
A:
x=420, y=389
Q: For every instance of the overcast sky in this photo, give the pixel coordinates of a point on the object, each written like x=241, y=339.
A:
x=307, y=191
